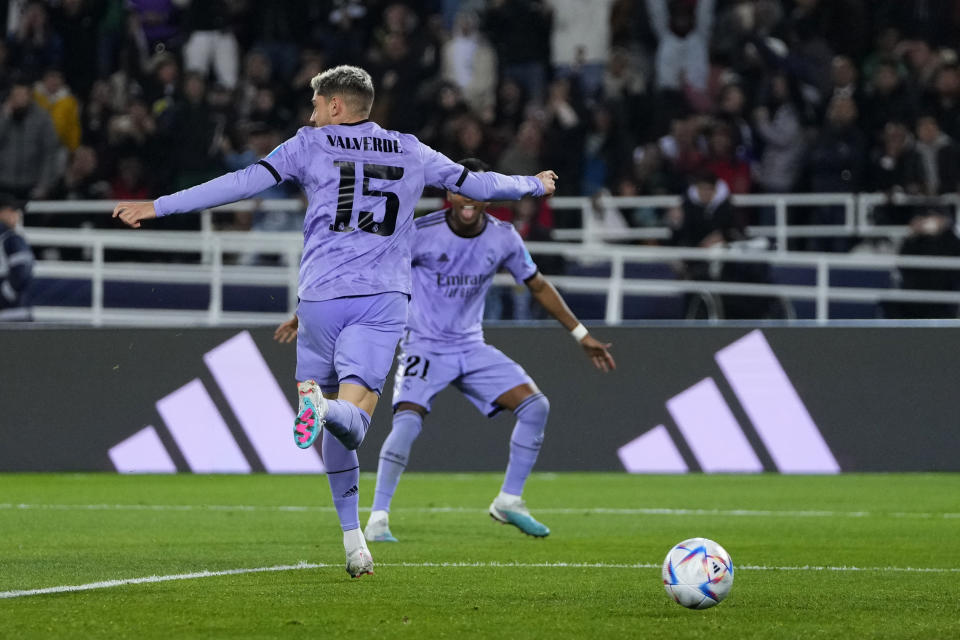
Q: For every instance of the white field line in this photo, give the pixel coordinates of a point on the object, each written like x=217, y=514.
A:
x=639, y=511
x=108, y=584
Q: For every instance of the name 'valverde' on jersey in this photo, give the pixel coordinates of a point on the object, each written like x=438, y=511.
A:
x=362, y=183
x=451, y=277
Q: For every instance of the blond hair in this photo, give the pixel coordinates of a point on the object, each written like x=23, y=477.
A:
x=352, y=84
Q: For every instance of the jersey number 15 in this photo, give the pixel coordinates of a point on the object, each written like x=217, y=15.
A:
x=365, y=221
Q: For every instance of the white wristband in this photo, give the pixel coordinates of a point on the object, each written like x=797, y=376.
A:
x=579, y=332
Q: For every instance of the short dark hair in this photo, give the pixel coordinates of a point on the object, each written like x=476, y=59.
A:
x=9, y=201
x=353, y=84
x=474, y=164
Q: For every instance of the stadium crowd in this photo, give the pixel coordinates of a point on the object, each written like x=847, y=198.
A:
x=130, y=99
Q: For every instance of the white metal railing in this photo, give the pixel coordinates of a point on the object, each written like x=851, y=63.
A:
x=614, y=287
x=857, y=214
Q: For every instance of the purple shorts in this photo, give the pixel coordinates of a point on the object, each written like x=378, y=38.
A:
x=349, y=337
x=481, y=372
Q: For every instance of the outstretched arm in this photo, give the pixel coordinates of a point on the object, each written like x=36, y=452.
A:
x=441, y=171
x=548, y=296
x=231, y=187
x=490, y=185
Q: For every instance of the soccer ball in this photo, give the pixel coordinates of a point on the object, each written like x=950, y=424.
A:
x=698, y=573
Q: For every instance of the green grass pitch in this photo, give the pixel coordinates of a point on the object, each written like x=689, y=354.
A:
x=850, y=556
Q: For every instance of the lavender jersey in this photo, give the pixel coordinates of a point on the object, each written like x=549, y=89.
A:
x=451, y=277
x=362, y=183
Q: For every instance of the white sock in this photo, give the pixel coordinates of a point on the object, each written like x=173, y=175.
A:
x=378, y=515
x=507, y=497
x=353, y=539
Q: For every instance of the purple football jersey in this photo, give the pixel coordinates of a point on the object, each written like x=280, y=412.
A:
x=362, y=183
x=451, y=277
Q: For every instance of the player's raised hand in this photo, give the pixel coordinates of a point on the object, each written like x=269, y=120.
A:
x=287, y=332
x=599, y=353
x=549, y=180
x=132, y=213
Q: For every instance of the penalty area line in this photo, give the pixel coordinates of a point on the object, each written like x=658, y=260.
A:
x=108, y=584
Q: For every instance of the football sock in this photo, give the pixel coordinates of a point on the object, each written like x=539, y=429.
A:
x=343, y=474
x=347, y=422
x=525, y=442
x=394, y=455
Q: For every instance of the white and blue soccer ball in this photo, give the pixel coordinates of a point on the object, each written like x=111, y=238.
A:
x=698, y=573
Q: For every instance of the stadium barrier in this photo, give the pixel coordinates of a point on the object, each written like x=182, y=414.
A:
x=211, y=272
x=683, y=399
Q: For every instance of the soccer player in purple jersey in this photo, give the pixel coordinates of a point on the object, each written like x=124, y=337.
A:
x=362, y=183
x=456, y=253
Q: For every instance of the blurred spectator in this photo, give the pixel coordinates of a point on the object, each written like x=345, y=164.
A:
x=624, y=91
x=732, y=109
x=193, y=125
x=82, y=179
x=16, y=262
x=445, y=110
x=895, y=167
x=934, y=21
x=601, y=151
x=921, y=61
x=509, y=108
x=837, y=157
x=722, y=160
x=348, y=30
x=130, y=182
x=944, y=101
x=843, y=76
x=156, y=23
x=470, y=62
x=265, y=108
x=938, y=157
x=580, y=42
x=56, y=99
x=779, y=127
x=78, y=23
x=888, y=99
x=520, y=32
x=836, y=164
x=133, y=133
x=605, y=220
x=931, y=234
x=469, y=140
x=257, y=74
x=681, y=149
x=212, y=42
x=707, y=218
x=162, y=85
x=396, y=77
x=683, y=34
x=524, y=153
x=36, y=45
x=648, y=177
x=28, y=146
x=564, y=131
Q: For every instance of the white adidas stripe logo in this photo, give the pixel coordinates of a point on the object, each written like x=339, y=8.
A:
x=712, y=432
x=201, y=433
x=701, y=414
